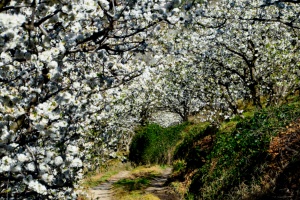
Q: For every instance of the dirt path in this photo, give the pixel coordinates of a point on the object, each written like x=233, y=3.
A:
x=158, y=188
x=105, y=190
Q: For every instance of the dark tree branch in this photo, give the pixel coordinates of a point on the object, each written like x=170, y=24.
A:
x=41, y=21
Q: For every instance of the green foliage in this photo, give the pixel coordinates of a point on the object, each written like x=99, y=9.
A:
x=179, y=166
x=153, y=144
x=238, y=151
x=190, y=197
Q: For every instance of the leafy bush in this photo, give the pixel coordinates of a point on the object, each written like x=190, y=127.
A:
x=153, y=144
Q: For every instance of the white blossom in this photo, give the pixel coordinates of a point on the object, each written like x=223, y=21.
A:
x=11, y=21
x=73, y=150
x=22, y=158
x=30, y=167
x=5, y=58
x=76, y=163
x=58, y=160
x=47, y=178
x=38, y=187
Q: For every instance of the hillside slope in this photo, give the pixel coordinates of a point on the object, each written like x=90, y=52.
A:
x=255, y=156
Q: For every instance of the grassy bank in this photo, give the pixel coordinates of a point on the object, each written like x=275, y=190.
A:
x=233, y=161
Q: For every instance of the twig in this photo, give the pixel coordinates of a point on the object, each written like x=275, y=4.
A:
x=290, y=149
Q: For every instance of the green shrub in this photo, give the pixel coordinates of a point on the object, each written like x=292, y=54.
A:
x=153, y=144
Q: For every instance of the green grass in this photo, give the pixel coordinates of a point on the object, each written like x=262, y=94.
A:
x=94, y=180
x=102, y=174
x=133, y=184
x=147, y=171
x=134, y=195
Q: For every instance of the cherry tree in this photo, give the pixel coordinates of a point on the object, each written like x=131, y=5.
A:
x=258, y=55
x=250, y=50
x=57, y=58
x=234, y=51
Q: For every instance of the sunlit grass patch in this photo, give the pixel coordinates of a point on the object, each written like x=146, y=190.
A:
x=97, y=179
x=150, y=171
x=132, y=184
x=127, y=189
x=228, y=126
x=133, y=195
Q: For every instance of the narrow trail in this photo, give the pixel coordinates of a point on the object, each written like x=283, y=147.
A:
x=158, y=188
x=105, y=190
